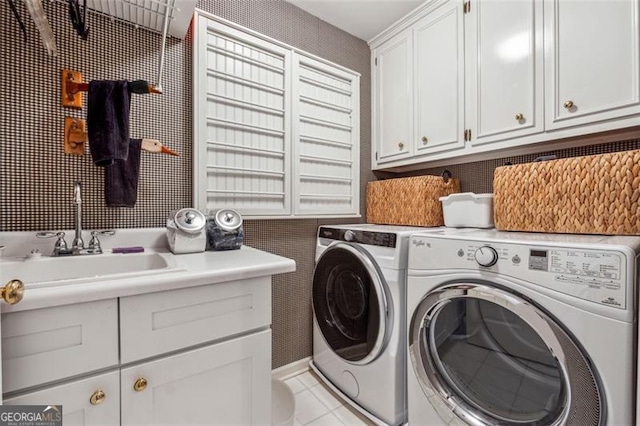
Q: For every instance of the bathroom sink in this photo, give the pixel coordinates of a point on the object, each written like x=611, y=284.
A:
x=47, y=271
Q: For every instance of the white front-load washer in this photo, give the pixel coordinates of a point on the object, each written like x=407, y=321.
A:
x=359, y=336
x=521, y=329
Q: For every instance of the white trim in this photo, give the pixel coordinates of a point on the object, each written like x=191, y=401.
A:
x=405, y=22
x=290, y=370
x=557, y=140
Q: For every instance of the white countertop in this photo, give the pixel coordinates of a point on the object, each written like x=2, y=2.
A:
x=209, y=267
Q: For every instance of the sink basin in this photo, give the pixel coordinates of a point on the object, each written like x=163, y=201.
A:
x=51, y=271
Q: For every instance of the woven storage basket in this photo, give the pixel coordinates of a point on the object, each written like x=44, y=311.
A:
x=409, y=201
x=596, y=194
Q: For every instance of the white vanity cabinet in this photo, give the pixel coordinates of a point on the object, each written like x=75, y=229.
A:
x=221, y=383
x=194, y=355
x=592, y=60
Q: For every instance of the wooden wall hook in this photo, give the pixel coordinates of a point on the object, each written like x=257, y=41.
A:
x=71, y=96
x=75, y=135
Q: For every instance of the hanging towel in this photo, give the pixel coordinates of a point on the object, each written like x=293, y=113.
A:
x=121, y=178
x=108, y=121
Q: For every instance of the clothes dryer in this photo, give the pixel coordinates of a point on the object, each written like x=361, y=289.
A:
x=359, y=335
x=517, y=328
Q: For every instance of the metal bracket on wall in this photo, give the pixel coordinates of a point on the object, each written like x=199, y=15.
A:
x=75, y=135
x=71, y=93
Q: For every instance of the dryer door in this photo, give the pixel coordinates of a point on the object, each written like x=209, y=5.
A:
x=492, y=357
x=350, y=303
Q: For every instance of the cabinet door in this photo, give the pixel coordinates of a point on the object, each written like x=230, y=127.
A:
x=504, y=53
x=591, y=61
x=439, y=77
x=223, y=384
x=392, y=99
x=76, y=400
x=326, y=138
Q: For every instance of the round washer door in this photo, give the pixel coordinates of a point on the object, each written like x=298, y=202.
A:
x=492, y=357
x=350, y=303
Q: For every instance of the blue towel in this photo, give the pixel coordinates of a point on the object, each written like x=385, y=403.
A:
x=108, y=121
x=121, y=178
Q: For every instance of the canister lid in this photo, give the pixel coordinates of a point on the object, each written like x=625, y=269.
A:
x=228, y=220
x=190, y=220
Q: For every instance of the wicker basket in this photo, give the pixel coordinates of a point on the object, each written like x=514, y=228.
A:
x=596, y=194
x=409, y=201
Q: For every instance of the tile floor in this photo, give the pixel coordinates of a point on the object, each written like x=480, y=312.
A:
x=317, y=405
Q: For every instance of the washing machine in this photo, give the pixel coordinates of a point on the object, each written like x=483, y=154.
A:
x=359, y=337
x=519, y=328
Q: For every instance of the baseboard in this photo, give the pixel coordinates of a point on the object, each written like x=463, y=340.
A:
x=292, y=369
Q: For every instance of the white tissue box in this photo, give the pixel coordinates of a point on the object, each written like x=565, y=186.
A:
x=468, y=210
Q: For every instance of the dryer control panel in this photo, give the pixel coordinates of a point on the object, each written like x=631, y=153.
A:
x=598, y=275
x=576, y=262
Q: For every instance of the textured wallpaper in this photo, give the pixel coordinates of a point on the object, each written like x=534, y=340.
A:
x=37, y=178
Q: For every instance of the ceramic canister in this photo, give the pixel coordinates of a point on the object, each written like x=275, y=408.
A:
x=224, y=230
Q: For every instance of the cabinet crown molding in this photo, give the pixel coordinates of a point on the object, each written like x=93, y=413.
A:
x=403, y=23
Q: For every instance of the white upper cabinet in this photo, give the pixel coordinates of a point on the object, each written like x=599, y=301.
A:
x=592, y=61
x=276, y=131
x=487, y=75
x=439, y=78
x=392, y=110
x=504, y=59
x=418, y=87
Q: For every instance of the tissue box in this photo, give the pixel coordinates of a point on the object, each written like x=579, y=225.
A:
x=468, y=210
x=409, y=201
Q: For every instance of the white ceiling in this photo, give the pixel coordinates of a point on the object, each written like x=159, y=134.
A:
x=361, y=18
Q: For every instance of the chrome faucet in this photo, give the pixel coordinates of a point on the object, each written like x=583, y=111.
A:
x=78, y=243
x=60, y=247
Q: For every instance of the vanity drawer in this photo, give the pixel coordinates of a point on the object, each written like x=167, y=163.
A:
x=155, y=323
x=75, y=399
x=43, y=345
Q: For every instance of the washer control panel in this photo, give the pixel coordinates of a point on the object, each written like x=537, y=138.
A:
x=592, y=274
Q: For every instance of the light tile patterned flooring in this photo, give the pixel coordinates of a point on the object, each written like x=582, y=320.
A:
x=317, y=405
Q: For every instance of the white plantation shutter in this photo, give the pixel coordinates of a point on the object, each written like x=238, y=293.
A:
x=326, y=138
x=276, y=132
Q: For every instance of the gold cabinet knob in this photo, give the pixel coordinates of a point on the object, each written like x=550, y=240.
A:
x=98, y=397
x=13, y=292
x=424, y=140
x=568, y=104
x=400, y=145
x=519, y=117
x=140, y=384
